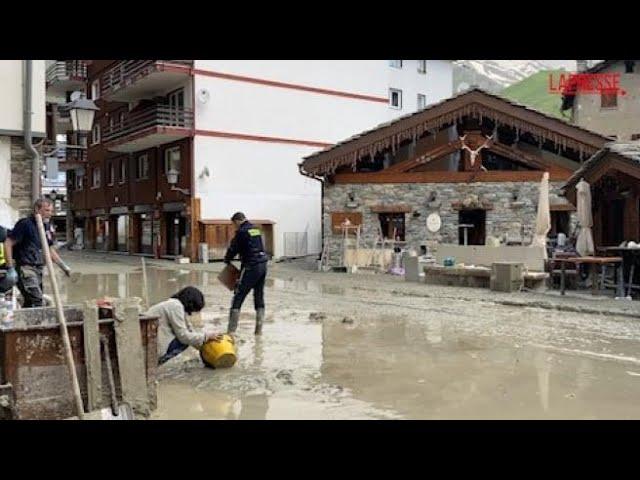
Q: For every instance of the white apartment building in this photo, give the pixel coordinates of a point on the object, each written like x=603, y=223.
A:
x=256, y=120
x=15, y=163
x=234, y=132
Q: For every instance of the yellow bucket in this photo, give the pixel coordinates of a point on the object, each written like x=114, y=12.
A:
x=220, y=354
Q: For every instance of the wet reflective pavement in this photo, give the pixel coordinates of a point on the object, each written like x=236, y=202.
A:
x=343, y=352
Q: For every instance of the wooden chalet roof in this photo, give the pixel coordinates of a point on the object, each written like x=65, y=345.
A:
x=475, y=103
x=626, y=151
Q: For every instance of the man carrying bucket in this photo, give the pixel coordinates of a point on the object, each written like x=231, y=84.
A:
x=248, y=244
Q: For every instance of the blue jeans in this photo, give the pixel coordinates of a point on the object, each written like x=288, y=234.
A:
x=174, y=349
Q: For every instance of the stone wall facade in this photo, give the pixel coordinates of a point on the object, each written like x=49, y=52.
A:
x=506, y=216
x=20, y=177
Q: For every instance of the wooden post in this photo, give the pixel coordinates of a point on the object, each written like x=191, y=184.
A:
x=63, y=323
x=92, y=361
x=145, y=284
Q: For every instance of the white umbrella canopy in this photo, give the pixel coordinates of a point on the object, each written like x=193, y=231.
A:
x=584, y=243
x=543, y=218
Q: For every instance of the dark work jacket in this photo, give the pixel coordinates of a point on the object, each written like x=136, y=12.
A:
x=248, y=244
x=28, y=249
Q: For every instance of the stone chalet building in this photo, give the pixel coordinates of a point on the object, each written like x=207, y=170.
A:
x=474, y=159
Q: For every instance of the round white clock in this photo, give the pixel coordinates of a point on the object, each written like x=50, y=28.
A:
x=434, y=222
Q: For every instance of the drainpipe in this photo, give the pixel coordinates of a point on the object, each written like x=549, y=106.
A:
x=321, y=180
x=28, y=145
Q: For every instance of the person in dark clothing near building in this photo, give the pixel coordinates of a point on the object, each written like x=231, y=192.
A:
x=23, y=245
x=6, y=283
x=247, y=243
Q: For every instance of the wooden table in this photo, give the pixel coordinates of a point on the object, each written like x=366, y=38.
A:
x=601, y=261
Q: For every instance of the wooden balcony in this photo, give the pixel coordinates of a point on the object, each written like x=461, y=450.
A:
x=130, y=80
x=73, y=158
x=150, y=127
x=65, y=76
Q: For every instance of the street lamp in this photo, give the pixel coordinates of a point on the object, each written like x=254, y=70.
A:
x=172, y=179
x=82, y=111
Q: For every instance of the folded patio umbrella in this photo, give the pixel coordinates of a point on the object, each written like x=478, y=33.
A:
x=584, y=243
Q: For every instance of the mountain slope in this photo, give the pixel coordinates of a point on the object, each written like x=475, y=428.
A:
x=534, y=92
x=497, y=73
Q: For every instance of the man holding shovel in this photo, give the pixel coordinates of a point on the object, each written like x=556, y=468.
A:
x=248, y=244
x=23, y=243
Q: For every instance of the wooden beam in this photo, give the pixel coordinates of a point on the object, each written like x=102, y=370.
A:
x=448, y=177
x=431, y=154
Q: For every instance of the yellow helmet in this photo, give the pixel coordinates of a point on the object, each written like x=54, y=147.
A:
x=220, y=354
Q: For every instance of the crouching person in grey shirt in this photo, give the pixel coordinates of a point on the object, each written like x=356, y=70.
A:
x=175, y=333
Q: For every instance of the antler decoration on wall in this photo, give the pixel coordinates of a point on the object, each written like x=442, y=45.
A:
x=474, y=153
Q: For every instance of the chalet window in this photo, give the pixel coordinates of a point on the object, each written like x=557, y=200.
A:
x=422, y=101
x=395, y=98
x=395, y=63
x=608, y=100
x=338, y=219
x=95, y=90
x=95, y=134
x=422, y=66
x=176, y=107
x=123, y=170
x=96, y=178
x=392, y=225
x=111, y=173
x=172, y=159
x=142, y=167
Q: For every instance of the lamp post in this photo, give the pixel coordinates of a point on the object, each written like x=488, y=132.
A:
x=172, y=179
x=82, y=112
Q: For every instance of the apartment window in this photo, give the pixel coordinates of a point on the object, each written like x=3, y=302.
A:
x=122, y=116
x=142, y=167
x=608, y=100
x=172, y=159
x=395, y=98
x=111, y=173
x=95, y=89
x=96, y=178
x=422, y=66
x=422, y=101
x=112, y=124
x=635, y=136
x=79, y=181
x=123, y=170
x=95, y=134
x=395, y=63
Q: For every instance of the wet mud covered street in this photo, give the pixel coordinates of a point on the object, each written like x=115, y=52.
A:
x=339, y=346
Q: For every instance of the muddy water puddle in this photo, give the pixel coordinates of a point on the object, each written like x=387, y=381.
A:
x=422, y=360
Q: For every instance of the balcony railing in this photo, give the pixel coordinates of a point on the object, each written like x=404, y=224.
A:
x=156, y=116
x=66, y=70
x=126, y=72
x=75, y=155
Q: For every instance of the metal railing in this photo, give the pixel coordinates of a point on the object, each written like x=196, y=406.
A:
x=156, y=116
x=126, y=72
x=66, y=70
